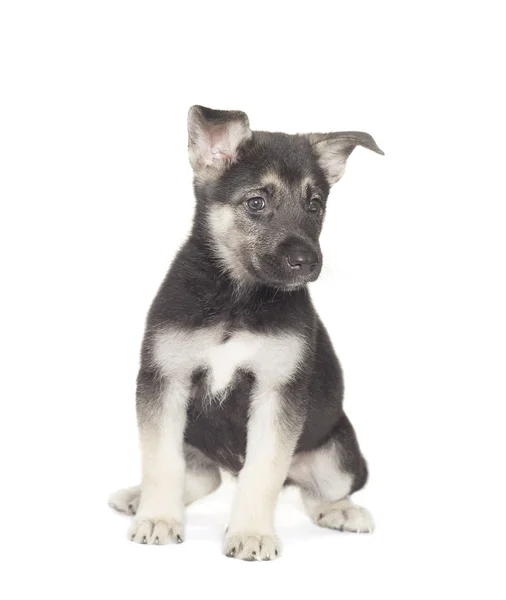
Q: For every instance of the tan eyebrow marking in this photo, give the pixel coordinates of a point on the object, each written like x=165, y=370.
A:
x=273, y=178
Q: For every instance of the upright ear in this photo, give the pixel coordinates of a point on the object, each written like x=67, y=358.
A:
x=214, y=138
x=333, y=150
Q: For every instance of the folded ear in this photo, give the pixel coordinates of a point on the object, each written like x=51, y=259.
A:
x=214, y=137
x=333, y=150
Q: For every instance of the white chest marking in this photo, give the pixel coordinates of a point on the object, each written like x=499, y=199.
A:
x=272, y=358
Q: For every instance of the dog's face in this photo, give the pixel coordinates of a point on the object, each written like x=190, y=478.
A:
x=265, y=194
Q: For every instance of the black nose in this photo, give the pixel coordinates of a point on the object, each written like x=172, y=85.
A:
x=302, y=261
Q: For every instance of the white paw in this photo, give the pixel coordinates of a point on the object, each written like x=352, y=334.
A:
x=156, y=531
x=126, y=501
x=251, y=546
x=347, y=518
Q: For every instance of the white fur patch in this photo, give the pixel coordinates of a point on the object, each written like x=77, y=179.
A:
x=272, y=358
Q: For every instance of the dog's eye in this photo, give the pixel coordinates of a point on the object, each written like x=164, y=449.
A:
x=255, y=204
x=315, y=204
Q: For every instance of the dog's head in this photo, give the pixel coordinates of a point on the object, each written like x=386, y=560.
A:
x=263, y=194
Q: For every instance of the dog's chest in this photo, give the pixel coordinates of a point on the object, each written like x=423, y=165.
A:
x=223, y=373
x=271, y=358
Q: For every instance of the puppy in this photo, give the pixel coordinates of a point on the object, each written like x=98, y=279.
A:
x=237, y=371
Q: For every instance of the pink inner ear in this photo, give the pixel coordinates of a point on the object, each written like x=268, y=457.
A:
x=219, y=144
x=216, y=145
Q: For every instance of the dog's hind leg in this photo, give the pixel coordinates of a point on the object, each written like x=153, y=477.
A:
x=328, y=475
x=202, y=476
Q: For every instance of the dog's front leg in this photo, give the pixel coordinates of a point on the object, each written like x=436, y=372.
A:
x=271, y=441
x=161, y=415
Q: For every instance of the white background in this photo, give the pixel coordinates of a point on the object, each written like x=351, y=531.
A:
x=96, y=199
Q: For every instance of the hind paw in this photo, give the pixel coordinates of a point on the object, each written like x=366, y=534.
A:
x=346, y=517
x=126, y=501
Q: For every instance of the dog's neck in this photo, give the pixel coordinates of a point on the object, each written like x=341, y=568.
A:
x=211, y=277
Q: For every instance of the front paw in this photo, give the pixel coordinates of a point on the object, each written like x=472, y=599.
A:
x=252, y=546
x=156, y=531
